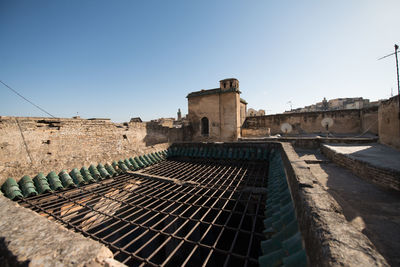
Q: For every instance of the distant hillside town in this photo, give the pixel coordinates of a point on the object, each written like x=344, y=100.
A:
x=337, y=104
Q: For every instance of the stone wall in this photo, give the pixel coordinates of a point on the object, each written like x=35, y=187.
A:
x=383, y=177
x=345, y=122
x=32, y=145
x=369, y=120
x=389, y=122
x=255, y=132
x=329, y=239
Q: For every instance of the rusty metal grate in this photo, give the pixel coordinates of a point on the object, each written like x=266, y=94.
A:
x=177, y=212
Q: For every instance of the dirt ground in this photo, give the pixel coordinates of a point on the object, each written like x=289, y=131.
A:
x=372, y=210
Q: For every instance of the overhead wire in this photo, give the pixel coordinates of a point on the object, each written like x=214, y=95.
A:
x=388, y=55
x=14, y=91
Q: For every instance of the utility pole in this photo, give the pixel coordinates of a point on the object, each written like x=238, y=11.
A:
x=396, y=47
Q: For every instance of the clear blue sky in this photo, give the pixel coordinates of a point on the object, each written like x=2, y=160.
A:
x=123, y=59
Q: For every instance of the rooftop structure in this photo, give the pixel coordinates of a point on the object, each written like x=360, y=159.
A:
x=183, y=210
x=217, y=114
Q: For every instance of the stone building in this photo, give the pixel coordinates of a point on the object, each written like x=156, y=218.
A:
x=217, y=114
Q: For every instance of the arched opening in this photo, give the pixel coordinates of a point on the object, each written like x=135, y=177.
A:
x=204, y=126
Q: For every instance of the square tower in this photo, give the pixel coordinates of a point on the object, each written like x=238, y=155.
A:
x=215, y=114
x=229, y=83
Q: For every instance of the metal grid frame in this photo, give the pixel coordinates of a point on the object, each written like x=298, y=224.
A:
x=208, y=219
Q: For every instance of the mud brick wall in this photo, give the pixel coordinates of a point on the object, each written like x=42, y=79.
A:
x=389, y=122
x=387, y=178
x=31, y=145
x=345, y=122
x=369, y=120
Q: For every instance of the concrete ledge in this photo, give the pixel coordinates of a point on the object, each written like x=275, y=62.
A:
x=242, y=143
x=312, y=142
x=329, y=239
x=28, y=239
x=386, y=177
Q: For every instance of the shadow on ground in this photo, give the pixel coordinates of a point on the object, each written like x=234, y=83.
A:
x=372, y=210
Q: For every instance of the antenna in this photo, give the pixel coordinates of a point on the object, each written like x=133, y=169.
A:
x=396, y=47
x=290, y=102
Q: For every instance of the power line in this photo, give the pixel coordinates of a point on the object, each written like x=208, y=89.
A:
x=388, y=55
x=26, y=99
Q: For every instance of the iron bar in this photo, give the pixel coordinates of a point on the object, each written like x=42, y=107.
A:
x=209, y=220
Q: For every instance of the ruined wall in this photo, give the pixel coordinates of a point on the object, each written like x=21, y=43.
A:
x=389, y=122
x=345, y=122
x=32, y=145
